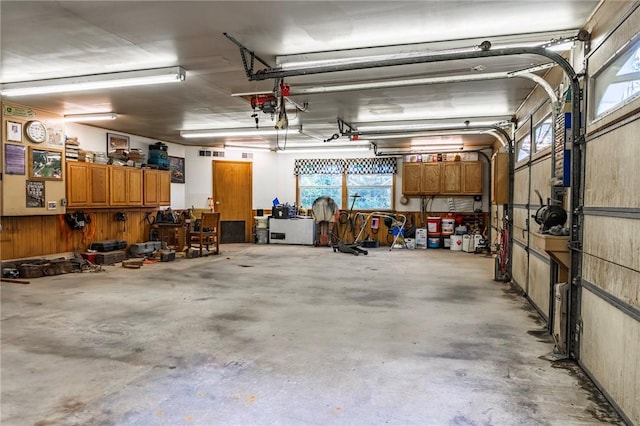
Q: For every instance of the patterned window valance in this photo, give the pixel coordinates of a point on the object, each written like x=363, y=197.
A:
x=362, y=166
x=319, y=166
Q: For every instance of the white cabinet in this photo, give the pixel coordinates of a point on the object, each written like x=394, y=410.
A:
x=292, y=231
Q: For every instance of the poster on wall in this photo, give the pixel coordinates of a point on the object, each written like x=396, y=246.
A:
x=14, y=131
x=14, y=157
x=45, y=164
x=35, y=194
x=176, y=166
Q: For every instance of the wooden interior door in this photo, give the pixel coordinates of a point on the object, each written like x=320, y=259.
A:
x=233, y=197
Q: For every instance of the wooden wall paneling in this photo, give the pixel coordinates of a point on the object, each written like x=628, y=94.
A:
x=28, y=236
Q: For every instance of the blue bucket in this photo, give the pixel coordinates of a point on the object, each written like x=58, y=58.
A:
x=433, y=242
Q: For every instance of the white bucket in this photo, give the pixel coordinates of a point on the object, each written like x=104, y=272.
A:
x=262, y=222
x=410, y=242
x=455, y=242
x=447, y=226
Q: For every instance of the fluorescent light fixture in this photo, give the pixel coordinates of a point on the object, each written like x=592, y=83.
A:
x=328, y=149
x=346, y=144
x=95, y=81
x=327, y=62
x=363, y=129
x=99, y=116
x=225, y=133
x=235, y=147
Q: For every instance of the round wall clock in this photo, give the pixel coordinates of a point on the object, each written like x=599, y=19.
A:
x=36, y=131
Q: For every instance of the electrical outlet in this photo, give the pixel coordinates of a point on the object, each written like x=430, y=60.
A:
x=63, y=202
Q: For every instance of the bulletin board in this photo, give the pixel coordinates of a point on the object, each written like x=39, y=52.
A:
x=33, y=174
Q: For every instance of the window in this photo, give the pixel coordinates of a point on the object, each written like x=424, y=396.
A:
x=543, y=134
x=313, y=186
x=371, y=178
x=619, y=82
x=376, y=191
x=523, y=148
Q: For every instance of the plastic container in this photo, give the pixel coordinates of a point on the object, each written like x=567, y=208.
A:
x=411, y=243
x=262, y=236
x=448, y=226
x=433, y=242
x=467, y=243
x=455, y=243
x=262, y=222
x=433, y=225
x=446, y=242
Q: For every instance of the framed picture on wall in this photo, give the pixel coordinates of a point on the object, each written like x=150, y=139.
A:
x=14, y=159
x=35, y=194
x=176, y=166
x=45, y=164
x=14, y=131
x=115, y=141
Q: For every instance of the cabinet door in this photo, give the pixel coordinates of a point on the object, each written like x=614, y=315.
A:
x=77, y=184
x=451, y=177
x=99, y=179
x=118, y=186
x=134, y=187
x=164, y=188
x=500, y=178
x=411, y=173
x=151, y=190
x=431, y=181
x=472, y=177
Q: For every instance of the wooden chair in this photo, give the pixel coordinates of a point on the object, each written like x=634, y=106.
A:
x=208, y=234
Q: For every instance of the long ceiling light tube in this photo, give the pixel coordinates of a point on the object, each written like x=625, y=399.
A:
x=98, y=116
x=222, y=133
x=94, y=82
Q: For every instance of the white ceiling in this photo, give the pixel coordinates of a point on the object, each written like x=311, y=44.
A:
x=50, y=39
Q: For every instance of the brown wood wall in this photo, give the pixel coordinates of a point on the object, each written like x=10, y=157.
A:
x=28, y=236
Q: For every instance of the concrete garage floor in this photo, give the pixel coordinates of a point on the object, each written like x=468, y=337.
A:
x=289, y=335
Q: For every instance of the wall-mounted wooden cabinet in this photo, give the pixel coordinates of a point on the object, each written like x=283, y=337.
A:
x=99, y=185
x=444, y=178
x=157, y=188
x=87, y=184
x=500, y=178
x=126, y=186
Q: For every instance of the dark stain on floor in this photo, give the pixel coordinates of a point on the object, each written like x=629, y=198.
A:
x=371, y=297
x=600, y=410
x=457, y=294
